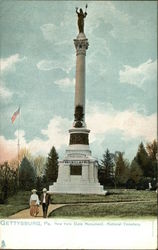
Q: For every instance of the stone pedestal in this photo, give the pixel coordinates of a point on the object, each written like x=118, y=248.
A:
x=78, y=170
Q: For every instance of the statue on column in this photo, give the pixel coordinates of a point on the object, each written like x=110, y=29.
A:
x=81, y=17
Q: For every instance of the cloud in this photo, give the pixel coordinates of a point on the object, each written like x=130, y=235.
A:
x=45, y=65
x=53, y=33
x=65, y=83
x=49, y=31
x=56, y=134
x=107, y=13
x=5, y=93
x=118, y=24
x=138, y=75
x=130, y=123
x=9, y=62
x=8, y=148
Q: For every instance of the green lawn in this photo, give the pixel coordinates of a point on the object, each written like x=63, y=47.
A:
x=113, y=196
x=15, y=204
x=111, y=210
x=79, y=207
x=90, y=205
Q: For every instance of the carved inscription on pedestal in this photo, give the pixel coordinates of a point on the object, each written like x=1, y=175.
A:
x=76, y=170
x=79, y=138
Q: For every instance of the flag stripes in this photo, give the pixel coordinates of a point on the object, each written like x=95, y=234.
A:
x=16, y=113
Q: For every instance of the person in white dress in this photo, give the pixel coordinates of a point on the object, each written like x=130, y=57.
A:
x=34, y=203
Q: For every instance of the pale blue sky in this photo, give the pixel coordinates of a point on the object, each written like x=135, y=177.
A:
x=38, y=73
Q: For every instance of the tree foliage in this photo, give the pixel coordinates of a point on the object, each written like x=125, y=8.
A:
x=8, y=181
x=24, y=152
x=152, y=149
x=27, y=176
x=143, y=160
x=122, y=170
x=39, y=165
x=51, y=171
x=108, y=164
x=136, y=172
x=106, y=169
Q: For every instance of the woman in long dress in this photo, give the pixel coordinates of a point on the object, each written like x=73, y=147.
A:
x=34, y=203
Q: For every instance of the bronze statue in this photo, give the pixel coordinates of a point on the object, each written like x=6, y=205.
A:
x=81, y=17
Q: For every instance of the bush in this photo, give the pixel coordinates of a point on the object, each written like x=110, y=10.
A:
x=130, y=184
x=143, y=184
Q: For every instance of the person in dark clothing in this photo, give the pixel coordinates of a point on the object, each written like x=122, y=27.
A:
x=45, y=201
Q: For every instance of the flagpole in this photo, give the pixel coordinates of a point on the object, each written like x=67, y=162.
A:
x=14, y=116
x=18, y=145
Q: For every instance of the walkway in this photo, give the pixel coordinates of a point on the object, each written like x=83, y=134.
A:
x=25, y=214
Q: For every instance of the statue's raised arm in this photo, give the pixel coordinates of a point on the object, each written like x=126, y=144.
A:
x=81, y=17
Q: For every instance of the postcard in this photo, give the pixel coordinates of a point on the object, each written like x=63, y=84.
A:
x=78, y=127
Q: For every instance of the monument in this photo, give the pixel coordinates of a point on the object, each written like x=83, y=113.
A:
x=78, y=171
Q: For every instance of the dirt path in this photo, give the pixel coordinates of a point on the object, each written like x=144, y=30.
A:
x=25, y=214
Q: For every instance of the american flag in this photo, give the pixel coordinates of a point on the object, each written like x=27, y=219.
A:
x=16, y=113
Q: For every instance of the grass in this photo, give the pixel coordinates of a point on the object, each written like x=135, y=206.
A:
x=80, y=205
x=114, y=196
x=90, y=205
x=120, y=210
x=15, y=204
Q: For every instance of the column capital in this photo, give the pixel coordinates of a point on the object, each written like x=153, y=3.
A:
x=81, y=46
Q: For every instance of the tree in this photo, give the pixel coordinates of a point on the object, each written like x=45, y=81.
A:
x=152, y=154
x=27, y=176
x=121, y=170
x=8, y=181
x=142, y=159
x=106, y=170
x=136, y=172
x=39, y=165
x=24, y=152
x=39, y=184
x=52, y=165
x=152, y=149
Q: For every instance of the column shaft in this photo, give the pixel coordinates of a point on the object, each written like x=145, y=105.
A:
x=80, y=82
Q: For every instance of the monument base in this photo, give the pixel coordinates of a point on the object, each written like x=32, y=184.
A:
x=77, y=173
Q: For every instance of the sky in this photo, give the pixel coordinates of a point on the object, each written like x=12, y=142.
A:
x=38, y=64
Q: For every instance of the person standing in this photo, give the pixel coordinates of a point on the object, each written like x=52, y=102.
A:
x=34, y=203
x=45, y=201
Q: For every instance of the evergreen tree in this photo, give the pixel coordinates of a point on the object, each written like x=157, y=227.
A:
x=143, y=161
x=152, y=149
x=51, y=171
x=27, y=176
x=136, y=172
x=122, y=170
x=108, y=164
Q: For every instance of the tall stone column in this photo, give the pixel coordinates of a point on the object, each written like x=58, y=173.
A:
x=81, y=45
